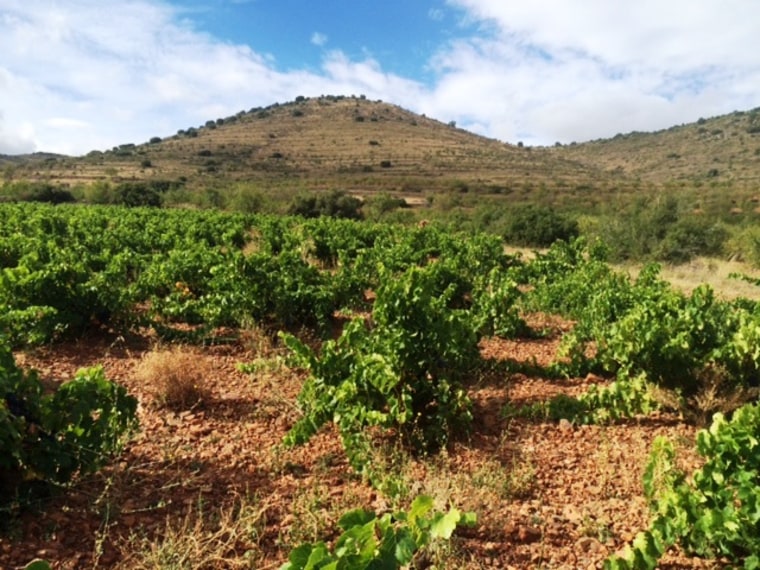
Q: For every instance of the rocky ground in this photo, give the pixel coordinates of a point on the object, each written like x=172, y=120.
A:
x=212, y=487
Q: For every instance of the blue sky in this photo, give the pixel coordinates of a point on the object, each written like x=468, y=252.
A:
x=403, y=35
x=79, y=75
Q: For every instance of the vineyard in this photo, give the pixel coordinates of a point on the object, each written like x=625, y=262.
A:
x=367, y=396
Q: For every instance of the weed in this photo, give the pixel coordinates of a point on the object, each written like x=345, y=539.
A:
x=596, y=528
x=258, y=340
x=314, y=512
x=225, y=538
x=715, y=394
x=391, y=472
x=176, y=377
x=508, y=482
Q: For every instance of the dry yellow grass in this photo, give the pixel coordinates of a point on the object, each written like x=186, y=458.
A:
x=176, y=377
x=202, y=540
x=714, y=272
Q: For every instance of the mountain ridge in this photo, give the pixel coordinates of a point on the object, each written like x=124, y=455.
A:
x=358, y=145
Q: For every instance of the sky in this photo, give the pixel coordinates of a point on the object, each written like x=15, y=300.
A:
x=82, y=75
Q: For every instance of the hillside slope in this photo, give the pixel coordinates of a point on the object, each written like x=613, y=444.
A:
x=723, y=150
x=362, y=146
x=326, y=142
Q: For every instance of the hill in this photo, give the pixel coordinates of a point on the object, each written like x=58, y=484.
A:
x=364, y=147
x=725, y=147
x=325, y=143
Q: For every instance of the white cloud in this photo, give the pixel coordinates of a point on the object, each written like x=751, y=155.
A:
x=67, y=123
x=367, y=78
x=20, y=140
x=318, y=39
x=565, y=70
x=138, y=70
x=76, y=77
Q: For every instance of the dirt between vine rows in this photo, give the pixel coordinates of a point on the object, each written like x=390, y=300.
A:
x=547, y=495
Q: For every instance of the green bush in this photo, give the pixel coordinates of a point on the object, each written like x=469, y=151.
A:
x=402, y=372
x=690, y=237
x=335, y=204
x=49, y=438
x=135, y=194
x=713, y=513
x=389, y=542
x=539, y=226
x=247, y=199
x=385, y=203
x=37, y=192
x=744, y=245
x=661, y=230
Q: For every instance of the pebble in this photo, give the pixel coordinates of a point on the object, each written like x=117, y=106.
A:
x=588, y=544
x=528, y=534
x=572, y=514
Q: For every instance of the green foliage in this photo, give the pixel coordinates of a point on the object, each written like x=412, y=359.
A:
x=403, y=370
x=246, y=199
x=37, y=192
x=716, y=512
x=662, y=230
x=744, y=244
x=52, y=437
x=539, y=226
x=573, y=280
x=335, y=204
x=389, y=542
x=52, y=290
x=63, y=270
x=495, y=309
x=629, y=328
x=672, y=338
x=38, y=564
x=690, y=237
x=385, y=203
x=619, y=400
x=135, y=194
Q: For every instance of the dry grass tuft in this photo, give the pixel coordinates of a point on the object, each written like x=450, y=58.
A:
x=176, y=377
x=259, y=340
x=224, y=539
x=715, y=393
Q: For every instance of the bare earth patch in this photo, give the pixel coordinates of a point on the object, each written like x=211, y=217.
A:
x=212, y=487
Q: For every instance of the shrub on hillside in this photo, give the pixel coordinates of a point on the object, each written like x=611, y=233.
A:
x=385, y=203
x=689, y=238
x=135, y=194
x=335, y=204
x=37, y=192
x=539, y=226
x=662, y=230
x=744, y=245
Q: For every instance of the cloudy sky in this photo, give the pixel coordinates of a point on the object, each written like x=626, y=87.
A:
x=79, y=75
